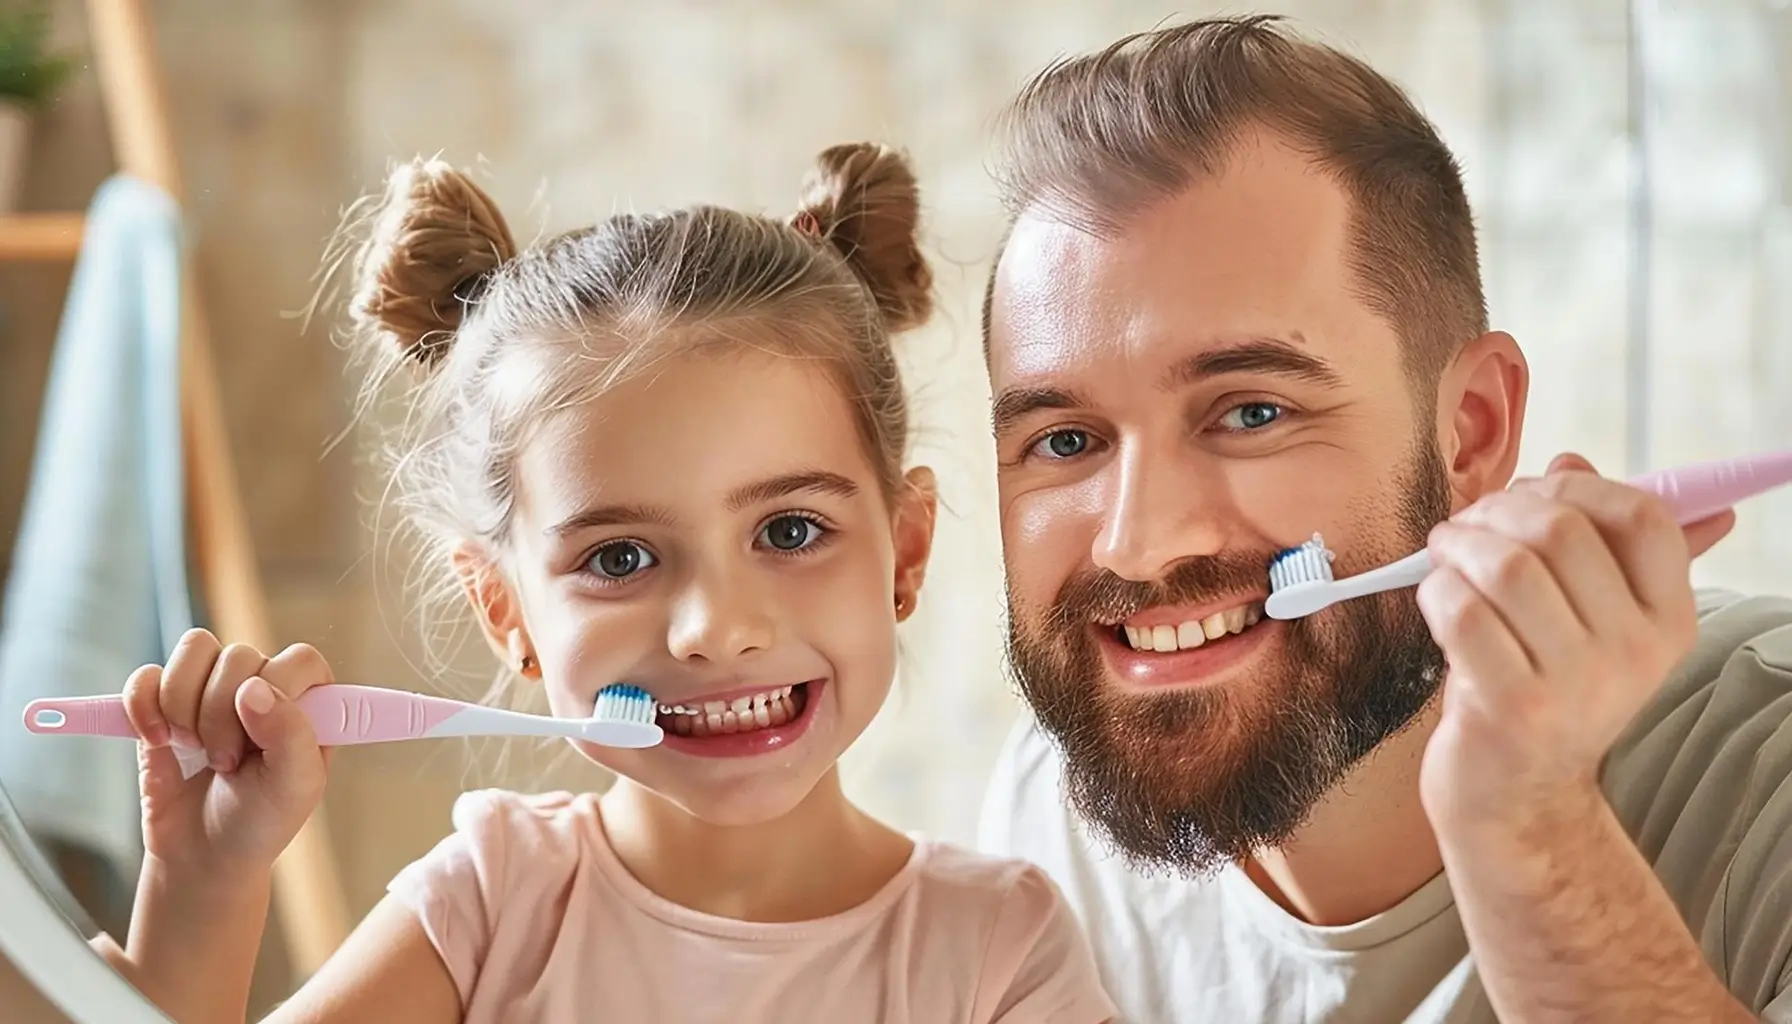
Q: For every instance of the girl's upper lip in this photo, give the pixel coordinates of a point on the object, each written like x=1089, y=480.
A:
x=726, y=696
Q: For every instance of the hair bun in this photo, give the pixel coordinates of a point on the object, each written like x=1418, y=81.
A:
x=435, y=242
x=865, y=201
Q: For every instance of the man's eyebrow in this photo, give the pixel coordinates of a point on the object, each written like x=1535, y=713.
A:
x=1272, y=356
x=1017, y=403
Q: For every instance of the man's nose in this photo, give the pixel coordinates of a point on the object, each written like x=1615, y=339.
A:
x=1162, y=511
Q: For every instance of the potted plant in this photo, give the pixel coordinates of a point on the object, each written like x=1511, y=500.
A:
x=29, y=76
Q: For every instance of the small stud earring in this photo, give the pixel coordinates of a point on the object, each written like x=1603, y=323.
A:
x=527, y=666
x=902, y=604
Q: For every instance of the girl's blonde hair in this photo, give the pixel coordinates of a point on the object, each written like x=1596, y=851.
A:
x=504, y=336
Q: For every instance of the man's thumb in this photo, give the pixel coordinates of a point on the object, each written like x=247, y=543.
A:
x=1570, y=462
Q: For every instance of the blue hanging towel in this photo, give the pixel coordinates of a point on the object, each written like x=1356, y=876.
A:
x=98, y=584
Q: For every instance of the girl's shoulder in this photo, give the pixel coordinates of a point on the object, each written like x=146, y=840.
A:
x=499, y=827
x=1010, y=898
x=1035, y=961
x=505, y=847
x=503, y=867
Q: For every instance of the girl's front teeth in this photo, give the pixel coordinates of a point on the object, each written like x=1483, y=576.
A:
x=765, y=710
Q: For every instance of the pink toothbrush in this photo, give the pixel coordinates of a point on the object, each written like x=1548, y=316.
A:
x=344, y=714
x=1301, y=582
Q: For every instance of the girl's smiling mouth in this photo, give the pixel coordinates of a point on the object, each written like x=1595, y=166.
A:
x=740, y=723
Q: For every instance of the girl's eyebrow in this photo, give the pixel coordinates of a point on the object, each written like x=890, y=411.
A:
x=770, y=489
x=610, y=515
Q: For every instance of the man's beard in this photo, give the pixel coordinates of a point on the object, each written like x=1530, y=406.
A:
x=1192, y=780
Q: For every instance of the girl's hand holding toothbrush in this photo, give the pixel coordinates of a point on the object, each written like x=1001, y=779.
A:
x=267, y=772
x=1561, y=604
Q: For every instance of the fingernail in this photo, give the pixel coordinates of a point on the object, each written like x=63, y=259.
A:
x=222, y=763
x=184, y=738
x=156, y=735
x=258, y=696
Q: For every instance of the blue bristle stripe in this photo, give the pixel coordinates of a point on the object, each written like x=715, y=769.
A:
x=624, y=691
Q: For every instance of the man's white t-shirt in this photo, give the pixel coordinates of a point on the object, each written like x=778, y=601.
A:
x=1702, y=780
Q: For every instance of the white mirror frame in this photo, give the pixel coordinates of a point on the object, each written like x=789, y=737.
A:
x=51, y=954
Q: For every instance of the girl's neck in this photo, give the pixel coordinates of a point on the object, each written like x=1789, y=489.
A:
x=824, y=857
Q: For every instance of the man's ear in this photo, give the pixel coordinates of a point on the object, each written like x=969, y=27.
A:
x=496, y=605
x=1480, y=415
x=912, y=531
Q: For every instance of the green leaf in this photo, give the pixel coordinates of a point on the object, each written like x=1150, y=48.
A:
x=28, y=74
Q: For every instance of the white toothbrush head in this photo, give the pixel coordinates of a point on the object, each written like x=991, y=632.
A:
x=623, y=716
x=1298, y=579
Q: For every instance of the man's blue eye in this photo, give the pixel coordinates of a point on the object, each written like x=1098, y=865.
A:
x=1064, y=444
x=1252, y=416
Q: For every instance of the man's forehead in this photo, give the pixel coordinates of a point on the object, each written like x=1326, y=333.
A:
x=1257, y=251
x=1047, y=292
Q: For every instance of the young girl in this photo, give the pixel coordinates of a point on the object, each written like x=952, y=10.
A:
x=666, y=450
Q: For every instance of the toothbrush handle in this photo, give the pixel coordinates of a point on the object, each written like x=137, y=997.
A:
x=340, y=714
x=80, y=716
x=1703, y=489
x=343, y=715
x=1407, y=572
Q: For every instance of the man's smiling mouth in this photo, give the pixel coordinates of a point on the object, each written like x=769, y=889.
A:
x=1148, y=631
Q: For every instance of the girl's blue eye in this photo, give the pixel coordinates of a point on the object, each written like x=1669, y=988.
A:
x=790, y=533
x=1063, y=444
x=621, y=559
x=1251, y=416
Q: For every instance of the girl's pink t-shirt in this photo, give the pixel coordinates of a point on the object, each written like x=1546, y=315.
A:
x=537, y=920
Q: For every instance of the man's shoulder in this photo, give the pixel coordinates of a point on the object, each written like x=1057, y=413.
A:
x=1699, y=777
x=1738, y=672
x=1756, y=626
x=1735, y=680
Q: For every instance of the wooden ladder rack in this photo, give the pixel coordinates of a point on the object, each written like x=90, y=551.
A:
x=308, y=893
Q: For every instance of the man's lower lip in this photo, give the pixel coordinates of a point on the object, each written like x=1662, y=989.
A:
x=750, y=744
x=1194, y=667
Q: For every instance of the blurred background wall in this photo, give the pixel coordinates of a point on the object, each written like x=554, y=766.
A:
x=1628, y=161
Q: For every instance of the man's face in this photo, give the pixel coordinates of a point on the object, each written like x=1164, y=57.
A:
x=1174, y=406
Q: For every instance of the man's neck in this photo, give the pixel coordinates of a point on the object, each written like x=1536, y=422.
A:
x=1368, y=844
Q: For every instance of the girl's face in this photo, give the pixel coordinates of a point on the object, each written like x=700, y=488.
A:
x=715, y=533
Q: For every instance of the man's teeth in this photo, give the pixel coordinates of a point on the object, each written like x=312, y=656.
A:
x=1195, y=632
x=742, y=714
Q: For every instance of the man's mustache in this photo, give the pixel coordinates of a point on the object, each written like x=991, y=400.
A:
x=1100, y=595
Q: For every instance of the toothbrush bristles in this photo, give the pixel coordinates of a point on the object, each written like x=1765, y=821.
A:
x=623, y=702
x=1309, y=563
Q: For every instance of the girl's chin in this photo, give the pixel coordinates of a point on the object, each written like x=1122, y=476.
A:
x=739, y=803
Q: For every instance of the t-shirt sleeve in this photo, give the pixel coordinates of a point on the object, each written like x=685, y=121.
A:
x=1757, y=889
x=995, y=819
x=455, y=889
x=1039, y=968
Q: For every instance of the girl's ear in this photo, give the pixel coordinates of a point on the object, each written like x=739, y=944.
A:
x=500, y=613
x=916, y=506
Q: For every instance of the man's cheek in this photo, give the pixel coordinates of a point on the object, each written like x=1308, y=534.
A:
x=1284, y=500
x=1042, y=544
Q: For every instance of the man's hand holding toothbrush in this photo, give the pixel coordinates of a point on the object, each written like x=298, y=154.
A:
x=1562, y=604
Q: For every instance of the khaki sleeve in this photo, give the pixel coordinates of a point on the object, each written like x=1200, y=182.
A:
x=1756, y=891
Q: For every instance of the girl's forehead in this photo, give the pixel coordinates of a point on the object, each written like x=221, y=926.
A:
x=692, y=426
